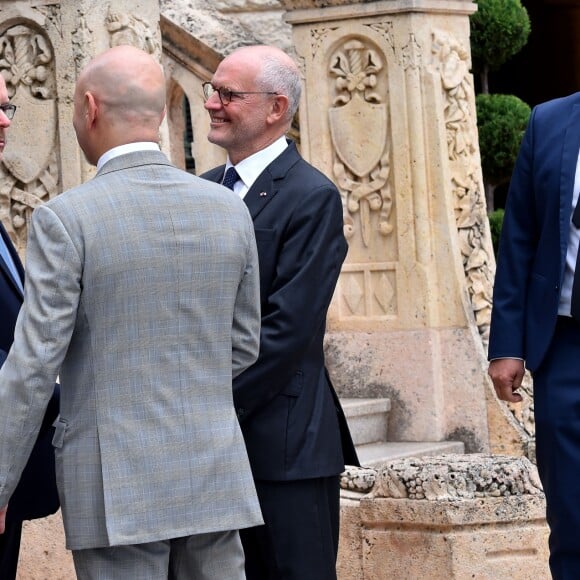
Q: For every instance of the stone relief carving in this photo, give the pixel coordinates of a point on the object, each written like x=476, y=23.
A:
x=412, y=54
x=53, y=15
x=29, y=172
x=362, y=169
x=447, y=478
x=318, y=35
x=360, y=479
x=451, y=62
x=385, y=29
x=358, y=119
x=126, y=28
x=82, y=42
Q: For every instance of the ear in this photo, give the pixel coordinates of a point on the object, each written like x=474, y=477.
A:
x=278, y=109
x=91, y=109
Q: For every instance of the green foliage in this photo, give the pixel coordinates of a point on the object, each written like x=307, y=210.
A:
x=499, y=29
x=501, y=122
x=495, y=223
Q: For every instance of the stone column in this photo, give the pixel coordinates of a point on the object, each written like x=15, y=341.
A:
x=44, y=44
x=388, y=113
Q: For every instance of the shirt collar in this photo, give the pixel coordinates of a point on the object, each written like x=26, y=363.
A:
x=250, y=168
x=124, y=149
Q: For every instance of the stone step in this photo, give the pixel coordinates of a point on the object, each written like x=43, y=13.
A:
x=367, y=419
x=377, y=454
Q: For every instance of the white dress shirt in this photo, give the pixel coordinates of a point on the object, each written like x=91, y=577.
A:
x=572, y=252
x=250, y=168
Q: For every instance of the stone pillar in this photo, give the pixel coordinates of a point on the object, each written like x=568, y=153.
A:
x=388, y=113
x=43, y=46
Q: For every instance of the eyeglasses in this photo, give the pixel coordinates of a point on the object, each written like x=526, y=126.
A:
x=225, y=95
x=8, y=109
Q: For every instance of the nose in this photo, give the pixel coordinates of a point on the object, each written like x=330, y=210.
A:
x=4, y=120
x=213, y=103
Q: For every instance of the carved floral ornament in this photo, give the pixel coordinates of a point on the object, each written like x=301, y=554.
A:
x=129, y=29
x=28, y=172
x=447, y=478
x=451, y=61
x=361, y=166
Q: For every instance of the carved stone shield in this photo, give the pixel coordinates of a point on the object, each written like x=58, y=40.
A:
x=30, y=138
x=359, y=131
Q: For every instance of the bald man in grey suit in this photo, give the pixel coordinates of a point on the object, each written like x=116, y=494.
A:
x=143, y=293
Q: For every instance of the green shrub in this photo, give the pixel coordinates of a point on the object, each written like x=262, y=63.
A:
x=495, y=223
x=499, y=29
x=501, y=122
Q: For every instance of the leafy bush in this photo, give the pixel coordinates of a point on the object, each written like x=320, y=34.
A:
x=501, y=122
x=499, y=29
x=495, y=223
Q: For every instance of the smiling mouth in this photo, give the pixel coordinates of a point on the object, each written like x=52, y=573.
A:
x=218, y=121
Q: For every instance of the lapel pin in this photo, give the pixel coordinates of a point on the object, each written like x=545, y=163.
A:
x=262, y=194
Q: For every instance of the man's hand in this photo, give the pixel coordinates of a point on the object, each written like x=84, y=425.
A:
x=507, y=375
x=3, y=518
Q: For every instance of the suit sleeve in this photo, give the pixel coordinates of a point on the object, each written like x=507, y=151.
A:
x=246, y=320
x=310, y=256
x=43, y=331
x=516, y=252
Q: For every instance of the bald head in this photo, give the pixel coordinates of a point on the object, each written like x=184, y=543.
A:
x=275, y=71
x=119, y=99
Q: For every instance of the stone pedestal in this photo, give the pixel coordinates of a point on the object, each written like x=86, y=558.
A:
x=388, y=113
x=484, y=539
x=446, y=518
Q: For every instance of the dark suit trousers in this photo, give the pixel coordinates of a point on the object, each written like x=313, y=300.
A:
x=557, y=415
x=299, y=539
x=9, y=548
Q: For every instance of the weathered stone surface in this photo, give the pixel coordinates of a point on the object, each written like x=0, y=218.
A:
x=228, y=24
x=457, y=477
x=445, y=517
x=487, y=538
x=360, y=479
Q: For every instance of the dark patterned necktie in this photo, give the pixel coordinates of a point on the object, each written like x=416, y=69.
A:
x=230, y=178
x=575, y=305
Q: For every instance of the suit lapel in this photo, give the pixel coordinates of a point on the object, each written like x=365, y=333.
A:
x=265, y=187
x=261, y=193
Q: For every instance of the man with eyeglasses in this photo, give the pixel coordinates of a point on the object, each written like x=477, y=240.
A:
x=295, y=431
x=36, y=495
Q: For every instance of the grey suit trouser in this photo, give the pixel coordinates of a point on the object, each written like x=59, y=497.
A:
x=214, y=556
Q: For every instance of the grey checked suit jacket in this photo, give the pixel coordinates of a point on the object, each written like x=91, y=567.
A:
x=142, y=292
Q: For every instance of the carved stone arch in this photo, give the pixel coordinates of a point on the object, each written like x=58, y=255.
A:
x=29, y=172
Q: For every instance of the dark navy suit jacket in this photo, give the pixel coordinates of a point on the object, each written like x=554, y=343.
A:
x=535, y=232
x=36, y=495
x=292, y=421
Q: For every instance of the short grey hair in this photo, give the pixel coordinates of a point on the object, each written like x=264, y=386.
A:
x=282, y=78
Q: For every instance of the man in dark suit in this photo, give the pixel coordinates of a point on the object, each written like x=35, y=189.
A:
x=36, y=495
x=536, y=311
x=295, y=431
